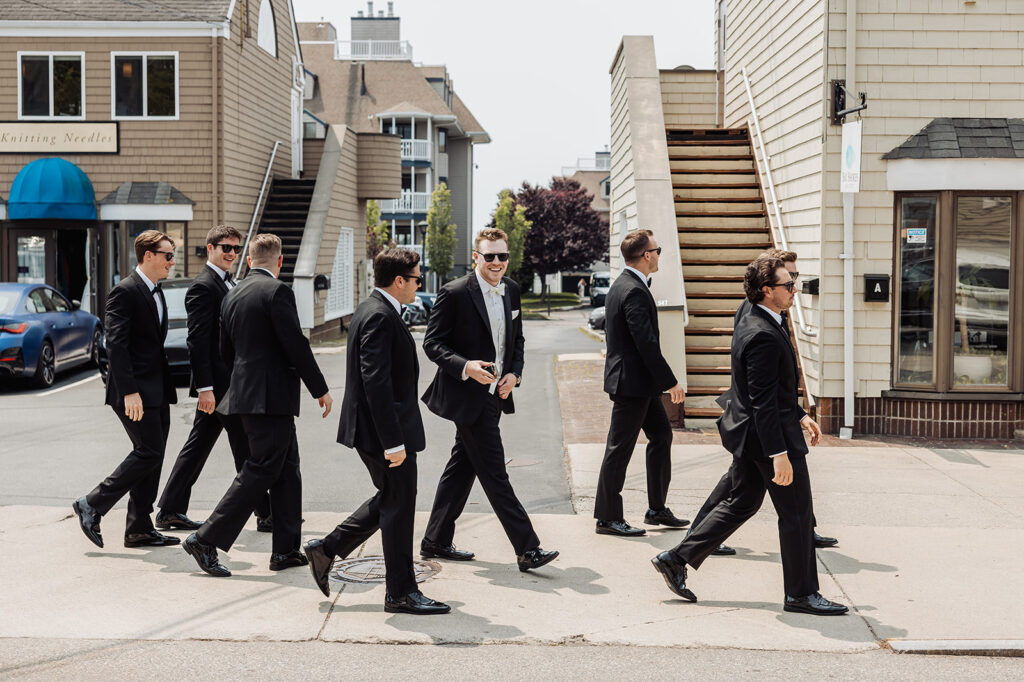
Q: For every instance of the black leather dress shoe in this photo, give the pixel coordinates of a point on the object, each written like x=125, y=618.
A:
x=674, y=573
x=89, y=520
x=430, y=550
x=205, y=556
x=665, y=517
x=535, y=558
x=173, y=520
x=814, y=604
x=620, y=528
x=820, y=541
x=264, y=524
x=279, y=562
x=150, y=539
x=416, y=604
x=320, y=563
x=723, y=550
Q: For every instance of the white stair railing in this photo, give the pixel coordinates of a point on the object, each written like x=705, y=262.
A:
x=256, y=208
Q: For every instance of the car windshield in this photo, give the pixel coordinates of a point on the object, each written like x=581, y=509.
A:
x=175, y=297
x=601, y=281
x=8, y=299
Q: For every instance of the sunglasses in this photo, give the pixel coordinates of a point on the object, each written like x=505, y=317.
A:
x=418, y=278
x=489, y=257
x=228, y=248
x=168, y=255
x=657, y=250
x=790, y=286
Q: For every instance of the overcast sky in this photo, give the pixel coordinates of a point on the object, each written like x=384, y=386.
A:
x=535, y=74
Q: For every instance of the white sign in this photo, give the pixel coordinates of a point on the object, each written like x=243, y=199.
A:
x=47, y=137
x=917, y=235
x=850, y=165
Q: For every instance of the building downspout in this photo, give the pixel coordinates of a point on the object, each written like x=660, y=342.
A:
x=215, y=119
x=846, y=431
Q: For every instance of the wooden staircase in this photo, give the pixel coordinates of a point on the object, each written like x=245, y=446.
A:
x=285, y=215
x=722, y=221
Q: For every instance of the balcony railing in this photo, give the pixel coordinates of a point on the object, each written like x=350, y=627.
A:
x=373, y=49
x=600, y=163
x=416, y=150
x=410, y=202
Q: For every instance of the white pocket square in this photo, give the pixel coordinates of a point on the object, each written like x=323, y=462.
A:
x=515, y=314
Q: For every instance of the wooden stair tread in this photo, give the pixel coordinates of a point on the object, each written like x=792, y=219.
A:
x=727, y=245
x=723, y=142
x=717, y=200
x=724, y=230
x=706, y=390
x=714, y=171
x=716, y=294
x=717, y=261
x=698, y=412
x=708, y=370
x=713, y=312
x=710, y=157
x=714, y=278
x=714, y=185
x=709, y=350
x=708, y=331
x=720, y=214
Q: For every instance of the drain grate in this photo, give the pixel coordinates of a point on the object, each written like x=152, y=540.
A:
x=371, y=570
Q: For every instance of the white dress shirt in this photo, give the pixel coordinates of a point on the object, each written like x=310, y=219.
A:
x=159, y=300
x=495, y=304
x=778, y=321
x=643, y=278
x=398, y=308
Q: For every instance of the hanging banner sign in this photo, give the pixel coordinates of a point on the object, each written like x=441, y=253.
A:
x=58, y=137
x=850, y=177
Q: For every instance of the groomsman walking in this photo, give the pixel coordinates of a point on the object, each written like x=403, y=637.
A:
x=210, y=377
x=380, y=418
x=140, y=390
x=262, y=341
x=475, y=336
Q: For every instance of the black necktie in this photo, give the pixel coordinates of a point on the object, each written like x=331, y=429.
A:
x=785, y=321
x=648, y=282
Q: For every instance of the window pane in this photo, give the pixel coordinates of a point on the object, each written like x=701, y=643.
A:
x=982, y=310
x=160, y=86
x=916, y=356
x=31, y=260
x=35, y=86
x=128, y=86
x=67, y=86
x=57, y=302
x=176, y=231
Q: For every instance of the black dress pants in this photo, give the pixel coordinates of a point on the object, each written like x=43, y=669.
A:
x=393, y=511
x=138, y=476
x=273, y=465
x=720, y=493
x=479, y=454
x=206, y=429
x=630, y=416
x=793, y=505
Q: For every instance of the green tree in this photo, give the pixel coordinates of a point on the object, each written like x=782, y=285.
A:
x=441, y=240
x=511, y=219
x=377, y=237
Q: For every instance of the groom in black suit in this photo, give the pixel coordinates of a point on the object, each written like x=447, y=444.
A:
x=635, y=376
x=380, y=418
x=761, y=427
x=140, y=390
x=210, y=377
x=262, y=340
x=475, y=336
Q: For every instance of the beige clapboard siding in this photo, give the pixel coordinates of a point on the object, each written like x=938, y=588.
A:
x=688, y=98
x=380, y=166
x=781, y=44
x=312, y=150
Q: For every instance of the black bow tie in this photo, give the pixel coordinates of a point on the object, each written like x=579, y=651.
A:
x=227, y=277
x=157, y=288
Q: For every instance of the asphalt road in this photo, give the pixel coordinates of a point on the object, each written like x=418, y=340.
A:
x=58, y=443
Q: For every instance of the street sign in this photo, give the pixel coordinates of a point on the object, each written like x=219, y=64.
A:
x=850, y=177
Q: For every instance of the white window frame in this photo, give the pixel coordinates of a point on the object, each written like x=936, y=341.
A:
x=145, y=86
x=260, y=34
x=51, y=55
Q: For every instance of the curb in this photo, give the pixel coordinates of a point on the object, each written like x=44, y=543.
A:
x=1009, y=648
x=592, y=333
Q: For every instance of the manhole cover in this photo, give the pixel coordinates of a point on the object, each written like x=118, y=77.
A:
x=371, y=570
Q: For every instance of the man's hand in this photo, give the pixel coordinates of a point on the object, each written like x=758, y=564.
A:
x=395, y=459
x=207, y=402
x=133, y=406
x=783, y=470
x=326, y=402
x=475, y=370
x=677, y=394
x=812, y=429
x=505, y=386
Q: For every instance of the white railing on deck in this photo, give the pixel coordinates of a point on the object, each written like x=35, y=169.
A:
x=416, y=150
x=409, y=202
x=373, y=49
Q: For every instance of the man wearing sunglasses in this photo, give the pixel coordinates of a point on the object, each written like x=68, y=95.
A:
x=475, y=336
x=635, y=376
x=140, y=390
x=210, y=377
x=761, y=427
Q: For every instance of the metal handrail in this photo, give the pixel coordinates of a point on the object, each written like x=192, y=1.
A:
x=256, y=209
x=778, y=227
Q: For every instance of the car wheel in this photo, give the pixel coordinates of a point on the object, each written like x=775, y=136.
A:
x=94, y=349
x=46, y=368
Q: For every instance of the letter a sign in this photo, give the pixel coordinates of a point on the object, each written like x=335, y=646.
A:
x=850, y=176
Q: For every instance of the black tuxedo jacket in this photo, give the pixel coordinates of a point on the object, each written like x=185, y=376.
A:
x=380, y=410
x=203, y=302
x=135, y=346
x=262, y=341
x=460, y=330
x=634, y=366
x=762, y=412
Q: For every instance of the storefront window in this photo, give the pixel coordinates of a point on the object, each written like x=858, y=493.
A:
x=32, y=260
x=51, y=85
x=916, y=357
x=145, y=86
x=176, y=231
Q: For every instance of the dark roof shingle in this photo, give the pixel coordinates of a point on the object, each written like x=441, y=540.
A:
x=148, y=193
x=114, y=10
x=964, y=138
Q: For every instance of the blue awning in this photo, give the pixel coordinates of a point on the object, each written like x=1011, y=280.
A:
x=51, y=188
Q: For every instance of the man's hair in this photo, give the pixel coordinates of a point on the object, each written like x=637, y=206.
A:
x=391, y=263
x=760, y=273
x=150, y=241
x=784, y=256
x=491, y=234
x=264, y=250
x=635, y=244
x=222, y=232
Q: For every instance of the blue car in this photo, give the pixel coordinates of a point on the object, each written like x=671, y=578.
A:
x=42, y=333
